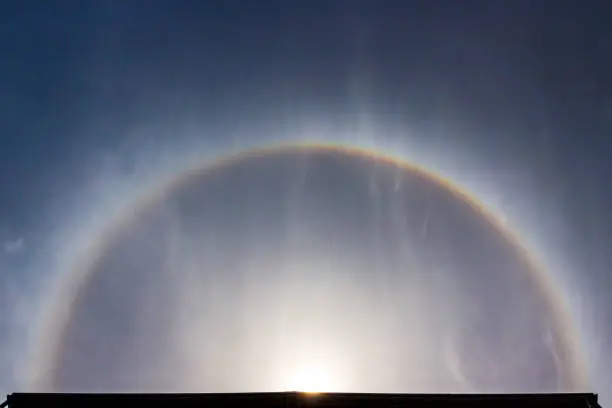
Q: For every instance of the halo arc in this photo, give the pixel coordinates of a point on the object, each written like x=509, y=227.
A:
x=46, y=351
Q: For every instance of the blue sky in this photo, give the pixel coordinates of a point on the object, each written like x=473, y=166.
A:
x=88, y=88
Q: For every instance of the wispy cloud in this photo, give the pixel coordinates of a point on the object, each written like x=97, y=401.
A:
x=15, y=246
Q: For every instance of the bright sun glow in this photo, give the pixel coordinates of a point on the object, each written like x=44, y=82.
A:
x=312, y=379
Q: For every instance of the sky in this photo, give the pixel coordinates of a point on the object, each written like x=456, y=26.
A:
x=96, y=94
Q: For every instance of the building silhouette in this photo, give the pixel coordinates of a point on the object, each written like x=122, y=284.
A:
x=301, y=400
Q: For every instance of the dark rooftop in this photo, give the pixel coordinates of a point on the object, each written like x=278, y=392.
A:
x=294, y=399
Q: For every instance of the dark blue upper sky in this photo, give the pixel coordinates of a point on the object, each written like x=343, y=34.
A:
x=527, y=83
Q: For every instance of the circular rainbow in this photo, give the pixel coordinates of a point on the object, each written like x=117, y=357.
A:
x=47, y=344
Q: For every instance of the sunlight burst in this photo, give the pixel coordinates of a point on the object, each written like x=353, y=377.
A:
x=311, y=379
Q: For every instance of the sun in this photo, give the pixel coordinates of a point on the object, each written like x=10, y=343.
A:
x=311, y=379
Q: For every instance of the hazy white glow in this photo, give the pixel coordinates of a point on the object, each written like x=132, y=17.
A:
x=312, y=379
